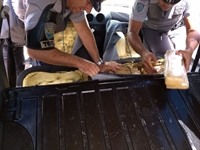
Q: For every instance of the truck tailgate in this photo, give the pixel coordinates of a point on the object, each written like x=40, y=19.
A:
x=119, y=114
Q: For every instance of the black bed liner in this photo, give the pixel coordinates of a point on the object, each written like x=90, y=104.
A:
x=127, y=113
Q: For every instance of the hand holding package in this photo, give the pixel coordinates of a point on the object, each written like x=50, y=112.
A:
x=175, y=72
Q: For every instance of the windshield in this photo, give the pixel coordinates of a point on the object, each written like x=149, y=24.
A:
x=118, y=5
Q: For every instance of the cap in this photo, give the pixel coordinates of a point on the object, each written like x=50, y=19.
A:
x=171, y=1
x=97, y=4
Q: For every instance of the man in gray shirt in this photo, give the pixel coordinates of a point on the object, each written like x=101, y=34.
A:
x=44, y=18
x=18, y=38
x=165, y=24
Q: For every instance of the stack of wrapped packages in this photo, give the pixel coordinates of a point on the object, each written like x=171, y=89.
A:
x=175, y=72
x=171, y=66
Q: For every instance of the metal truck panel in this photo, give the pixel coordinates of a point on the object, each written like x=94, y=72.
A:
x=116, y=114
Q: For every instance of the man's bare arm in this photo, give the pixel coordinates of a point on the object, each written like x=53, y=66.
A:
x=88, y=40
x=56, y=57
x=192, y=41
x=136, y=43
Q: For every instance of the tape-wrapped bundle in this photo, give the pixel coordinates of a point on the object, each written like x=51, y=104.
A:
x=175, y=72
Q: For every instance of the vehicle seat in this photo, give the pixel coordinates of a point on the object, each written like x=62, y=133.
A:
x=116, y=45
x=124, y=50
x=65, y=40
x=47, y=75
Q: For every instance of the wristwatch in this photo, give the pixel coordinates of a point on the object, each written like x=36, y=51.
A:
x=100, y=62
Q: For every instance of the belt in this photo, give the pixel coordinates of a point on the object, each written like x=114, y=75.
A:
x=14, y=44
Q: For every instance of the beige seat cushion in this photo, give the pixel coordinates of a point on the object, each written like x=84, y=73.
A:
x=46, y=78
x=124, y=50
x=64, y=41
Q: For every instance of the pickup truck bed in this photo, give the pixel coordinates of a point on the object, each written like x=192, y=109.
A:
x=135, y=112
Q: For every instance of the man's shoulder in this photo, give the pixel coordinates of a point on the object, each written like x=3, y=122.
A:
x=153, y=1
x=182, y=3
x=186, y=1
x=143, y=1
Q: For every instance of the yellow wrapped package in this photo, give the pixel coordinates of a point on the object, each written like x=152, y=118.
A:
x=39, y=78
x=175, y=72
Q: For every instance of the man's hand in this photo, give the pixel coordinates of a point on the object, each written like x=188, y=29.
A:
x=187, y=55
x=109, y=66
x=147, y=59
x=89, y=68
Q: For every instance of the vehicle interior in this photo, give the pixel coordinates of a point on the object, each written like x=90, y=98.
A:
x=109, y=29
x=61, y=108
